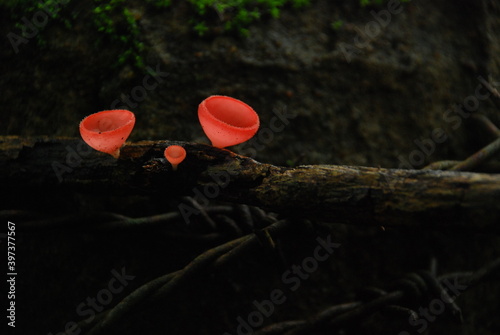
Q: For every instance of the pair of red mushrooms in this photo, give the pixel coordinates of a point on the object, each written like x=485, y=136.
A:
x=226, y=121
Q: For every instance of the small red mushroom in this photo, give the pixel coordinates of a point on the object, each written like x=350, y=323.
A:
x=175, y=154
x=106, y=131
x=227, y=121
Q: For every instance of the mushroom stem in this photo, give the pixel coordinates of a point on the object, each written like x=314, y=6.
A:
x=116, y=153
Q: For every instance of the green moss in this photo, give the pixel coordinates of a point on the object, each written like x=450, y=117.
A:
x=115, y=20
x=236, y=15
x=337, y=24
x=117, y=23
x=200, y=28
x=111, y=18
x=26, y=8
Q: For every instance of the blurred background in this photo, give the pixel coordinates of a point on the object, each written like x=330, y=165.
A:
x=354, y=82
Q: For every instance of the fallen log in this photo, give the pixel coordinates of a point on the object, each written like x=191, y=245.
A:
x=331, y=193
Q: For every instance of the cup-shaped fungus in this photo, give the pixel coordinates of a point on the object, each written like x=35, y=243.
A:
x=175, y=154
x=106, y=131
x=227, y=121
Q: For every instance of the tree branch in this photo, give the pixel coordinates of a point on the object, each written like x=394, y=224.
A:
x=341, y=194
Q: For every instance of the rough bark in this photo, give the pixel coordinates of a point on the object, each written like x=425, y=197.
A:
x=340, y=194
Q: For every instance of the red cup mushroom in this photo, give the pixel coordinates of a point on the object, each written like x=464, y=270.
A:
x=106, y=131
x=175, y=154
x=227, y=121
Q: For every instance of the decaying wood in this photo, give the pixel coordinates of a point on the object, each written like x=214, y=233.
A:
x=340, y=194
